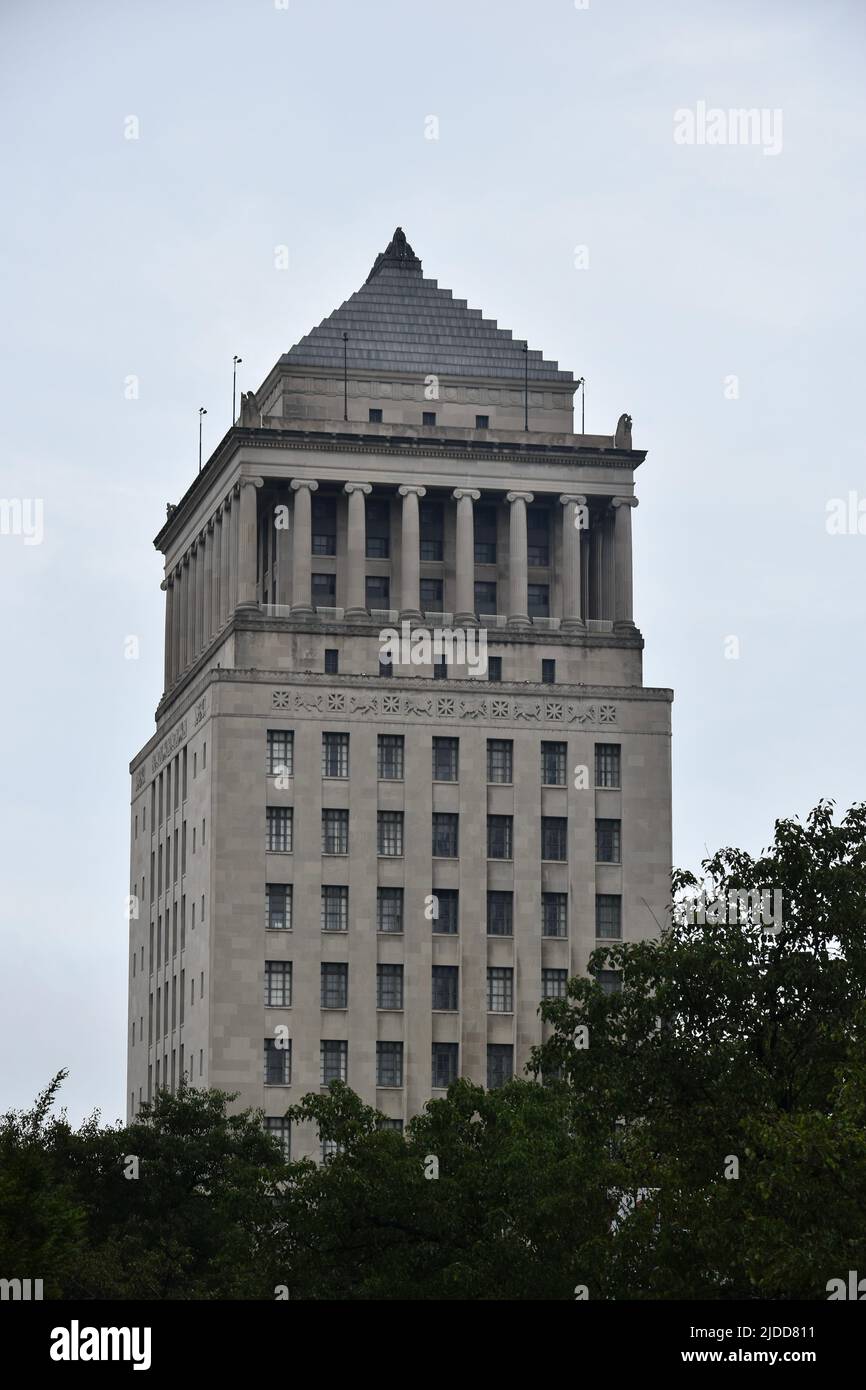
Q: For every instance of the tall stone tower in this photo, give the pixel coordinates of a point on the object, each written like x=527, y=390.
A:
x=360, y=865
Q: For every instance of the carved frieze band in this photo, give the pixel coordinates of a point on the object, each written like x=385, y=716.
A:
x=445, y=707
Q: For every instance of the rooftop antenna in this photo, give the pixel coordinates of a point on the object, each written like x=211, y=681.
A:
x=235, y=362
x=581, y=383
x=345, y=377
x=201, y=413
x=526, y=386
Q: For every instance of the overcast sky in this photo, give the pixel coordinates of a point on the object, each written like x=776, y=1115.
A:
x=718, y=299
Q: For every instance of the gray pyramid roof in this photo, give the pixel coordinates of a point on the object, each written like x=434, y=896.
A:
x=400, y=322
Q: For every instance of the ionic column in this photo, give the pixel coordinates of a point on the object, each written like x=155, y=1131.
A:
x=247, y=538
x=176, y=622
x=198, y=562
x=234, y=514
x=517, y=559
x=282, y=538
x=303, y=489
x=624, y=603
x=207, y=621
x=168, y=589
x=465, y=497
x=597, y=543
x=356, y=550
x=410, y=553
x=574, y=514
x=186, y=613
x=225, y=563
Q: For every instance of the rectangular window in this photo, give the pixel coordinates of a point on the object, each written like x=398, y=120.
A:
x=332, y=661
x=554, y=838
x=440, y=669
x=391, y=748
x=335, y=755
x=500, y=913
x=279, y=1128
x=538, y=600
x=607, y=765
x=278, y=1062
x=183, y=848
x=554, y=914
x=499, y=837
x=500, y=760
x=335, y=907
x=388, y=1123
x=389, y=986
x=446, y=988
x=500, y=989
x=431, y=595
x=446, y=843
x=494, y=668
x=537, y=537
x=374, y=415
x=608, y=916
x=445, y=906
x=389, y=909
x=323, y=589
x=482, y=422
x=389, y=1064
x=548, y=671
x=485, y=596
x=335, y=985
x=335, y=832
x=386, y=667
x=389, y=830
x=500, y=1064
x=378, y=531
x=446, y=753
x=278, y=984
x=428, y=417
x=444, y=1064
x=609, y=980
x=334, y=1060
x=279, y=829
x=281, y=752
x=553, y=984
x=607, y=841
x=378, y=591
x=485, y=535
x=553, y=764
x=324, y=526
x=431, y=517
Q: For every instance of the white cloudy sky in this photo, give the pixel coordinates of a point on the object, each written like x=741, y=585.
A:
x=304, y=126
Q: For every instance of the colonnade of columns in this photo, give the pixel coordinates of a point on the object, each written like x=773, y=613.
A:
x=217, y=574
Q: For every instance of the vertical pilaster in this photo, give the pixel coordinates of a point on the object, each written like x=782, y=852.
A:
x=574, y=515
x=356, y=550
x=623, y=586
x=303, y=489
x=168, y=589
x=517, y=559
x=410, y=553
x=465, y=497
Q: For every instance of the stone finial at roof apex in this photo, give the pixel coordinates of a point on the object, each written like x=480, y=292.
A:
x=398, y=254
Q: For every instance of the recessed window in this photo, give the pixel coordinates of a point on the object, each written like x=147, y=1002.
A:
x=538, y=600
x=445, y=911
x=608, y=916
x=500, y=1064
x=335, y=907
x=389, y=910
x=538, y=536
x=482, y=422
x=335, y=832
x=440, y=669
x=500, y=760
x=444, y=1064
x=324, y=590
x=446, y=988
x=324, y=526
x=428, y=417
x=500, y=989
x=375, y=416
x=608, y=765
x=378, y=591
x=332, y=661
x=335, y=755
x=279, y=829
x=554, y=837
x=278, y=907
x=386, y=667
x=278, y=984
x=335, y=985
x=389, y=830
x=432, y=522
x=485, y=597
x=334, y=1056
x=391, y=757
x=554, y=983
x=431, y=595
x=279, y=1128
x=553, y=764
x=494, y=668
x=500, y=913
x=278, y=1061
x=548, y=671
x=607, y=841
x=609, y=980
x=485, y=535
x=445, y=759
x=378, y=529
x=499, y=837
x=554, y=914
x=445, y=835
x=389, y=986
x=389, y=1064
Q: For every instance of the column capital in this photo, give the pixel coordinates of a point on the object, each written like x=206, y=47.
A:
x=251, y=482
x=526, y=497
x=210, y=525
x=470, y=492
x=298, y=483
x=409, y=488
x=577, y=497
x=165, y=583
x=365, y=488
x=624, y=502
